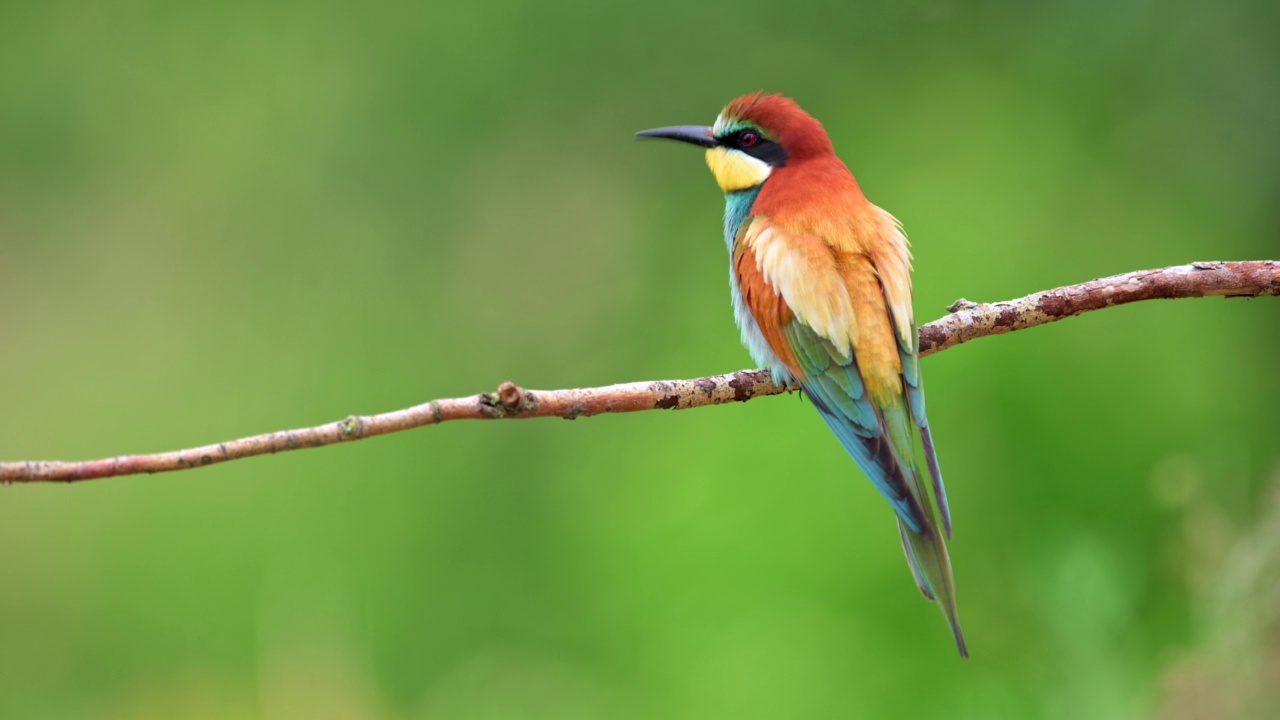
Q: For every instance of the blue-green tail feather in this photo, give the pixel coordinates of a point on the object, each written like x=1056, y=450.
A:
x=882, y=439
x=914, y=386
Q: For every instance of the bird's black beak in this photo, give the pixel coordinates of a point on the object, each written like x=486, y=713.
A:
x=696, y=134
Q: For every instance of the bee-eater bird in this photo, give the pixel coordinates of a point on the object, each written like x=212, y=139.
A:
x=821, y=282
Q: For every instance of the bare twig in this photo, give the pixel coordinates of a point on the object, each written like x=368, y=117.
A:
x=967, y=321
x=1257, y=278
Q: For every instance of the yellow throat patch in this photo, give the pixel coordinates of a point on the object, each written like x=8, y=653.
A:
x=735, y=170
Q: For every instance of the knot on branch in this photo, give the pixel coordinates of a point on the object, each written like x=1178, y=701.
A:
x=352, y=427
x=510, y=400
x=510, y=395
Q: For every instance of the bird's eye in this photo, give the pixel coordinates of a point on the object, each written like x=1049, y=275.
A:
x=748, y=138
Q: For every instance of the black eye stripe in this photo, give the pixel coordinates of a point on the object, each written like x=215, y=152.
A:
x=751, y=142
x=770, y=152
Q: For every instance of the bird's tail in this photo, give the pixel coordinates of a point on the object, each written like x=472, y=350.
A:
x=931, y=567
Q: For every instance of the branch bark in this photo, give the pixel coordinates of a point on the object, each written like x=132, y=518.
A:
x=966, y=321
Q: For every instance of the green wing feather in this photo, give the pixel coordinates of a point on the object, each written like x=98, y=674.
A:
x=881, y=439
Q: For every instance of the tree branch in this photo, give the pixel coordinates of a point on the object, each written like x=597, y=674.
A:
x=966, y=322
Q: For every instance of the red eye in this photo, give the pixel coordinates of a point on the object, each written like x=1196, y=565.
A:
x=748, y=138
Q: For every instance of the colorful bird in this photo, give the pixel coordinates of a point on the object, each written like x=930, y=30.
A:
x=821, y=282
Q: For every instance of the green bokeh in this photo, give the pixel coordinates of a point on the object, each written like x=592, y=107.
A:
x=226, y=218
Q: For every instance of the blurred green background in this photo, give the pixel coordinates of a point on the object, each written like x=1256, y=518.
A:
x=222, y=219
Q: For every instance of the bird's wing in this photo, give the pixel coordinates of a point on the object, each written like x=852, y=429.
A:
x=893, y=266
x=822, y=310
x=838, y=315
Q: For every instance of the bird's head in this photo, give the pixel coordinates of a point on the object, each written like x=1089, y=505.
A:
x=753, y=136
